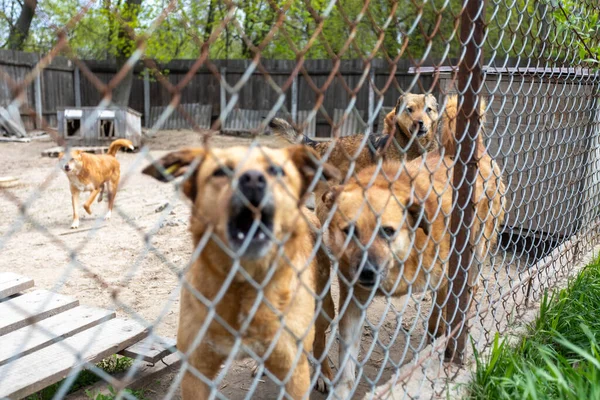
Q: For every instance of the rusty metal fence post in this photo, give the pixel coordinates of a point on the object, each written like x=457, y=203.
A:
x=465, y=173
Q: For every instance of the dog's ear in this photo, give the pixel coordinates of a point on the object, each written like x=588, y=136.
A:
x=330, y=196
x=399, y=104
x=431, y=101
x=417, y=217
x=176, y=164
x=307, y=160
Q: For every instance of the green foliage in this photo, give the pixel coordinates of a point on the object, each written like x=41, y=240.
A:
x=559, y=358
x=111, y=365
x=139, y=394
x=317, y=29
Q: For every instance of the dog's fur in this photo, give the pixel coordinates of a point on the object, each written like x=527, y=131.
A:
x=414, y=130
x=446, y=127
x=289, y=272
x=91, y=173
x=413, y=203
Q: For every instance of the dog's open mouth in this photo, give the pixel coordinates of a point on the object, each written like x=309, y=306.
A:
x=421, y=132
x=251, y=231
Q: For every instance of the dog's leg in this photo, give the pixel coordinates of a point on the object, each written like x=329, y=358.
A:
x=326, y=314
x=101, y=193
x=88, y=204
x=112, y=193
x=207, y=363
x=282, y=361
x=75, y=203
x=351, y=324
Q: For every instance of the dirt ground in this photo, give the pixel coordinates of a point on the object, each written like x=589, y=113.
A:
x=95, y=264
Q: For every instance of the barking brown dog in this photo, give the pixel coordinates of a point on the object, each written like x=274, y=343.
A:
x=258, y=265
x=391, y=236
x=415, y=130
x=91, y=173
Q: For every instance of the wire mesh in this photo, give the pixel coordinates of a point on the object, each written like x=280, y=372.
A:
x=479, y=193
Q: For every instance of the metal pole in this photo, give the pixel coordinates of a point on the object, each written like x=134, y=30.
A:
x=223, y=73
x=371, y=105
x=465, y=172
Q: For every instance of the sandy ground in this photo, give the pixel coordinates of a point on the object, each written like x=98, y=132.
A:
x=94, y=265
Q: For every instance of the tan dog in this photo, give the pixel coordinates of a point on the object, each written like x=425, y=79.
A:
x=447, y=127
x=91, y=173
x=391, y=236
x=258, y=217
x=414, y=132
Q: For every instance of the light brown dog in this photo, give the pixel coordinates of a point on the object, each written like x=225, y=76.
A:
x=91, y=173
x=249, y=202
x=414, y=130
x=391, y=236
x=447, y=127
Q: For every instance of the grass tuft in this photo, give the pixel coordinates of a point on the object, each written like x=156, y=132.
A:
x=558, y=357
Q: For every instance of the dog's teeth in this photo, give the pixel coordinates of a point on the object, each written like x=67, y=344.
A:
x=241, y=236
x=261, y=236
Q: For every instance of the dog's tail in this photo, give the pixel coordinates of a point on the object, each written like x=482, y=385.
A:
x=448, y=126
x=117, y=144
x=284, y=129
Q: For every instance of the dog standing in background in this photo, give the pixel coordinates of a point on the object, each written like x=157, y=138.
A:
x=91, y=173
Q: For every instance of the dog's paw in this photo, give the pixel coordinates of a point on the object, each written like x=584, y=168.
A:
x=75, y=224
x=108, y=215
x=321, y=385
x=342, y=390
x=87, y=209
x=254, y=369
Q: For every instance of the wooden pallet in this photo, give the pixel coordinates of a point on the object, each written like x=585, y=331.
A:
x=45, y=335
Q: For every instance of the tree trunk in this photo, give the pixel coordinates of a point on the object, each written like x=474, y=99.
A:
x=209, y=21
x=120, y=95
x=20, y=31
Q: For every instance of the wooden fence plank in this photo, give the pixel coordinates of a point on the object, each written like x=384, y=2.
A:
x=11, y=283
x=151, y=349
x=32, y=307
x=353, y=124
x=44, y=333
x=40, y=369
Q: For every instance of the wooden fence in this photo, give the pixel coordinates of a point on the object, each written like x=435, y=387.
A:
x=62, y=85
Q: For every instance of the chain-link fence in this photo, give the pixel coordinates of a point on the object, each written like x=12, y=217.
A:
x=460, y=180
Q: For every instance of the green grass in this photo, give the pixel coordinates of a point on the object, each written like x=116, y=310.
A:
x=558, y=358
x=139, y=394
x=110, y=365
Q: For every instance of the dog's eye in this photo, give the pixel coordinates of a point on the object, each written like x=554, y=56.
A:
x=275, y=170
x=347, y=230
x=388, y=232
x=409, y=110
x=428, y=110
x=219, y=172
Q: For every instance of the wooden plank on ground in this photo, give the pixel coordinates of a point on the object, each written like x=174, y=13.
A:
x=11, y=283
x=32, y=307
x=34, y=337
x=49, y=365
x=151, y=349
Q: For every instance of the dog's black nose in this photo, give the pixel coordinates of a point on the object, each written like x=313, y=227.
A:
x=252, y=184
x=421, y=124
x=67, y=167
x=368, y=273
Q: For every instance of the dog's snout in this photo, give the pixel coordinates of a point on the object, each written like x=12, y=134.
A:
x=368, y=275
x=421, y=123
x=253, y=185
x=67, y=168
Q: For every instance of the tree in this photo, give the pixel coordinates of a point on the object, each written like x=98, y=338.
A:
x=19, y=32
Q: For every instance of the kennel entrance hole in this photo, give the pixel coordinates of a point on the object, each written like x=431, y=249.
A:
x=73, y=127
x=106, y=128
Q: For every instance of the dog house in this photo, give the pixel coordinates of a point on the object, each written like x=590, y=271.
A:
x=91, y=126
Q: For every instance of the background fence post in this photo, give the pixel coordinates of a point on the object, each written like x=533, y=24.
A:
x=295, y=99
x=39, y=108
x=465, y=172
x=147, y=98
x=223, y=96
x=77, y=86
x=371, y=104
